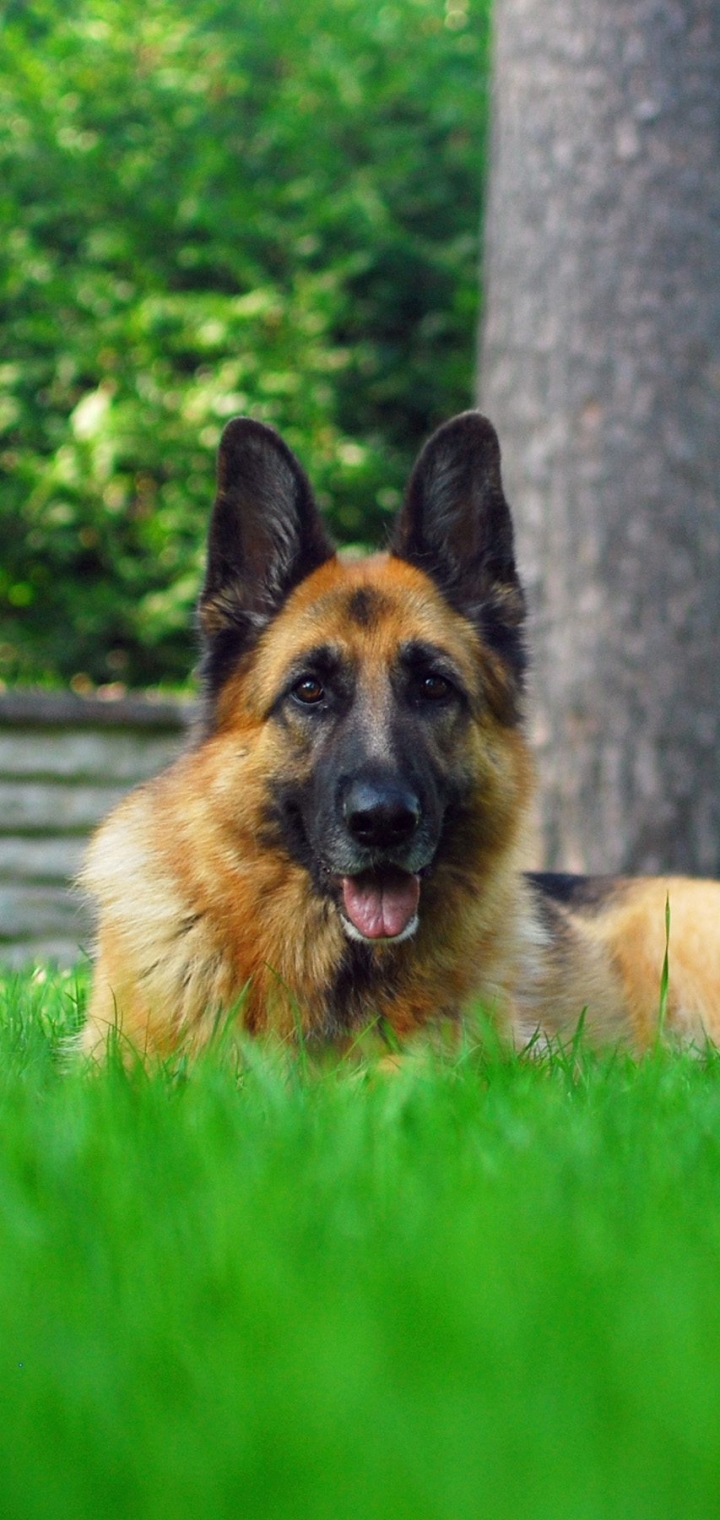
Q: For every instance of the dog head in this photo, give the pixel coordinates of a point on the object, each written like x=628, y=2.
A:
x=370, y=696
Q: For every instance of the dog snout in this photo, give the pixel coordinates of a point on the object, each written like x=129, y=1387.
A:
x=381, y=815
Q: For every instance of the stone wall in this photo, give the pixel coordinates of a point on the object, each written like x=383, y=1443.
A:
x=64, y=762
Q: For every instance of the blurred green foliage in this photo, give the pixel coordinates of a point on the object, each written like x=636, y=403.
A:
x=210, y=208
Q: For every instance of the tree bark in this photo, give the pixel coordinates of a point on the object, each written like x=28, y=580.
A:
x=600, y=366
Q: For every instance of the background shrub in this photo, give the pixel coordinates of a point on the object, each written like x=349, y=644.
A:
x=211, y=209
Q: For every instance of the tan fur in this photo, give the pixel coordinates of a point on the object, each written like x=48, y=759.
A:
x=196, y=916
x=200, y=917
x=609, y=962
x=630, y=934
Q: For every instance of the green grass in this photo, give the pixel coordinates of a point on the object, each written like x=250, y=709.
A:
x=484, y=1287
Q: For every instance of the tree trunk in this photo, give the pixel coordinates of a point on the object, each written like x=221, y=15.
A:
x=600, y=366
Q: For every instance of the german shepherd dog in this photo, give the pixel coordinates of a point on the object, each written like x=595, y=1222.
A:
x=344, y=841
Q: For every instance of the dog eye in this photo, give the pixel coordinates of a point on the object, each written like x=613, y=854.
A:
x=309, y=691
x=433, y=688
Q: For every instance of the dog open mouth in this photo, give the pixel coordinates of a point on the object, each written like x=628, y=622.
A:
x=381, y=904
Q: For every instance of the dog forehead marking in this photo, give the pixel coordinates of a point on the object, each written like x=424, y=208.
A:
x=364, y=605
x=361, y=596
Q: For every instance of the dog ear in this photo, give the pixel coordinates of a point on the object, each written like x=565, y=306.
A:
x=265, y=536
x=455, y=525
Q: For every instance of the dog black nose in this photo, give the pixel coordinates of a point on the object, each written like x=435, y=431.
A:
x=381, y=814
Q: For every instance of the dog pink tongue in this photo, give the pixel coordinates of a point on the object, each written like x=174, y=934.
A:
x=380, y=905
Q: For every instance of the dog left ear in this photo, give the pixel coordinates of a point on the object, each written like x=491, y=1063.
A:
x=455, y=525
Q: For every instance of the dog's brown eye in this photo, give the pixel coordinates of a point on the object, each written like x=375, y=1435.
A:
x=309, y=691
x=433, y=688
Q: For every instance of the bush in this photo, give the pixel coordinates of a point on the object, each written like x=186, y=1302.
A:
x=210, y=210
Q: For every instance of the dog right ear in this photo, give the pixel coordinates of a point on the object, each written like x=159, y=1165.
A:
x=265, y=536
